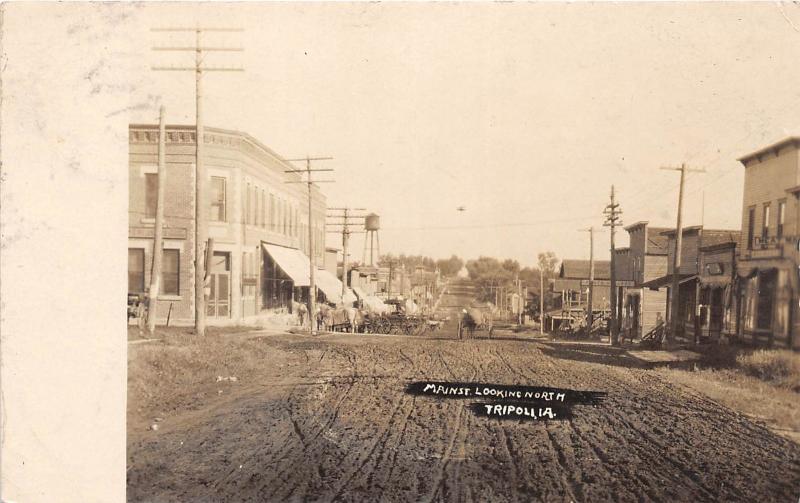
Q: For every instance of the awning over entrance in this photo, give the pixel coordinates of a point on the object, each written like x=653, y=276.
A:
x=332, y=287
x=297, y=266
x=655, y=284
x=291, y=261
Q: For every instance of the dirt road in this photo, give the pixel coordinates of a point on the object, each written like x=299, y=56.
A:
x=334, y=424
x=329, y=421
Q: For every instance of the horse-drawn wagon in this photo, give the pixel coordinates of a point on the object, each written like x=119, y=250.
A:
x=473, y=320
x=394, y=320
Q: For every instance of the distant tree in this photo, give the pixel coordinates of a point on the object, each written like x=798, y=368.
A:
x=547, y=266
x=489, y=274
x=450, y=266
x=410, y=262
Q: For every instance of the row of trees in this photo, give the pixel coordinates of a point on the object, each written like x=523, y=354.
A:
x=448, y=266
x=491, y=274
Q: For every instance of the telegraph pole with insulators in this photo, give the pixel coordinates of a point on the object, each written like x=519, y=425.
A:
x=312, y=292
x=613, y=219
x=201, y=211
x=676, y=257
x=344, y=218
x=590, y=310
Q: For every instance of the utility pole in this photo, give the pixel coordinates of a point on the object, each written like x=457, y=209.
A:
x=345, y=224
x=155, y=272
x=312, y=292
x=402, y=280
x=389, y=283
x=613, y=219
x=676, y=261
x=541, y=301
x=201, y=209
x=590, y=307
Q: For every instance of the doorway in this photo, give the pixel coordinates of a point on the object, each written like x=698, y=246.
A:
x=219, y=301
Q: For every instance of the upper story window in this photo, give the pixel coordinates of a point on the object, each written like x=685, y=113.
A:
x=272, y=212
x=217, y=199
x=765, y=223
x=751, y=224
x=263, y=209
x=247, y=206
x=150, y=194
x=285, y=218
x=781, y=218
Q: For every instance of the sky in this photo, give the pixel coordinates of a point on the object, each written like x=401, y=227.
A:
x=525, y=114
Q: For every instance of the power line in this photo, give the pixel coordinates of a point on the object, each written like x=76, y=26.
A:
x=345, y=214
x=486, y=226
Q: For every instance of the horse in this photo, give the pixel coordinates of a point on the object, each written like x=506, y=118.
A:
x=475, y=319
x=345, y=317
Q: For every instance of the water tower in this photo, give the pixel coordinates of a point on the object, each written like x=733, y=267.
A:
x=372, y=223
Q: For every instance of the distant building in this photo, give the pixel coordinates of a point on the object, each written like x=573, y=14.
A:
x=644, y=260
x=332, y=260
x=767, y=270
x=259, y=224
x=572, y=284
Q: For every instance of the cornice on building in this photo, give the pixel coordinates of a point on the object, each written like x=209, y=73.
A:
x=186, y=134
x=774, y=149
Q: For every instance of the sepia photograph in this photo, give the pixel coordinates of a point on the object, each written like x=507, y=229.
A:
x=400, y=252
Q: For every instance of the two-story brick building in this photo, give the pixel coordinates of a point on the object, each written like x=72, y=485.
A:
x=259, y=224
x=767, y=269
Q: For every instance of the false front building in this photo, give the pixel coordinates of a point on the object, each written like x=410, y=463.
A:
x=767, y=270
x=258, y=223
x=573, y=282
x=704, y=282
x=641, y=309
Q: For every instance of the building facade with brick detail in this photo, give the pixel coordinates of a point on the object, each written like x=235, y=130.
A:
x=250, y=205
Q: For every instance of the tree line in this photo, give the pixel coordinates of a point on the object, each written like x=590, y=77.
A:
x=447, y=266
x=491, y=274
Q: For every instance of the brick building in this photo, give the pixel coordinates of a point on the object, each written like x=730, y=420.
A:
x=258, y=222
x=767, y=270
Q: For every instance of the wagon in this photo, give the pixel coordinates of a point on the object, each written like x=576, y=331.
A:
x=397, y=321
x=473, y=320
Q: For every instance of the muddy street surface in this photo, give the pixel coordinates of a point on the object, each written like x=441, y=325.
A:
x=330, y=421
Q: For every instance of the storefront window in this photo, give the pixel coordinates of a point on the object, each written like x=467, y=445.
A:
x=136, y=270
x=766, y=299
x=749, y=307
